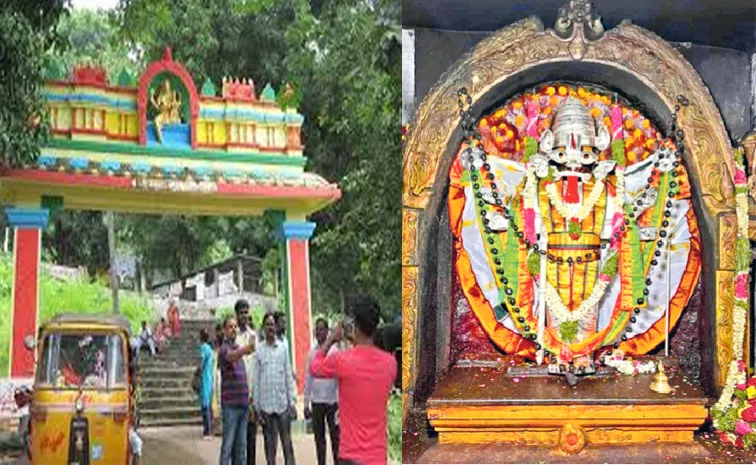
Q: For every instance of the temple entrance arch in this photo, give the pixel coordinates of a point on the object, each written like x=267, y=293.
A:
x=630, y=60
x=156, y=145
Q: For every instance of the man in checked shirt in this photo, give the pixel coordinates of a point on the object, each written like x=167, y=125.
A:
x=275, y=396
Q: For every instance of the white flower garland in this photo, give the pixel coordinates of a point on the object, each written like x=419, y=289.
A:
x=631, y=367
x=581, y=211
x=559, y=310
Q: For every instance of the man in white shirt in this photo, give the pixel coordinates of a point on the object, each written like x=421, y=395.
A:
x=275, y=394
x=321, y=400
x=145, y=337
x=247, y=336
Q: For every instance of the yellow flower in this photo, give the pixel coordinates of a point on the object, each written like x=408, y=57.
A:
x=502, y=126
x=499, y=140
x=547, y=111
x=645, y=155
x=510, y=134
x=646, y=123
x=517, y=105
x=501, y=113
x=581, y=92
x=637, y=133
x=494, y=130
x=630, y=155
x=520, y=120
x=751, y=392
x=595, y=112
x=553, y=100
x=629, y=123
x=562, y=91
x=517, y=145
x=550, y=90
x=483, y=123
x=607, y=121
x=650, y=143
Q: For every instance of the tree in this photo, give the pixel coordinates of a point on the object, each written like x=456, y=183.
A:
x=343, y=56
x=25, y=33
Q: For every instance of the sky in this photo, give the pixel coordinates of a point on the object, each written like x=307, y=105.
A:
x=94, y=4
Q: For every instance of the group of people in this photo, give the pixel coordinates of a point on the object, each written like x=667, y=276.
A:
x=157, y=338
x=346, y=389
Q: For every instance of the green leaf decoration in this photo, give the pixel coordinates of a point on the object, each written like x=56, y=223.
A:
x=568, y=331
x=534, y=263
x=208, y=88
x=531, y=147
x=268, y=94
x=618, y=152
x=611, y=266
x=125, y=79
x=574, y=228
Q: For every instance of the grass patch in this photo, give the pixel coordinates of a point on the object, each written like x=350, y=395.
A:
x=395, y=428
x=57, y=297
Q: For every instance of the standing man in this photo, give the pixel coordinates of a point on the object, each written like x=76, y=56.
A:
x=321, y=400
x=365, y=374
x=280, y=319
x=234, y=396
x=275, y=395
x=248, y=337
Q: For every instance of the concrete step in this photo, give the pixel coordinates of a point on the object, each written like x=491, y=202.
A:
x=171, y=413
x=166, y=383
x=167, y=371
x=169, y=402
x=149, y=393
x=164, y=422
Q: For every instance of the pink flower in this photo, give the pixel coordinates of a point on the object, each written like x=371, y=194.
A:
x=531, y=110
x=741, y=365
x=740, y=177
x=530, y=232
x=742, y=428
x=740, y=387
x=741, y=286
x=616, y=116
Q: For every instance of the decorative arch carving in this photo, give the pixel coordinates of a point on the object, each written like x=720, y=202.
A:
x=517, y=49
x=166, y=64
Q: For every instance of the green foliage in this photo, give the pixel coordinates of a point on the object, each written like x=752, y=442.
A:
x=56, y=297
x=24, y=125
x=611, y=266
x=531, y=147
x=89, y=37
x=534, y=263
x=568, y=330
x=76, y=238
x=618, y=152
x=725, y=420
x=395, y=428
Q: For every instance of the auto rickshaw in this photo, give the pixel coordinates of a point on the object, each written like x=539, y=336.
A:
x=82, y=405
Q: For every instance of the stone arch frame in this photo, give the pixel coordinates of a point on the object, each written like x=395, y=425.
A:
x=508, y=61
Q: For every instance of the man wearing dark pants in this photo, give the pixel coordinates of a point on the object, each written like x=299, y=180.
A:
x=247, y=336
x=322, y=394
x=275, y=396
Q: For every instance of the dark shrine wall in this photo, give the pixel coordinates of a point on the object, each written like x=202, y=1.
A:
x=725, y=72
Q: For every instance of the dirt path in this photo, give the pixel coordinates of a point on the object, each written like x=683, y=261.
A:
x=185, y=446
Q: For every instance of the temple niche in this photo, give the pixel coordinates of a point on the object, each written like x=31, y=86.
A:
x=575, y=239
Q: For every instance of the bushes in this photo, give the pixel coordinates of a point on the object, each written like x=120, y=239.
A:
x=57, y=297
x=395, y=428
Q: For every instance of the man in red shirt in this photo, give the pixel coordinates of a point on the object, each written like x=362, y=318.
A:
x=366, y=375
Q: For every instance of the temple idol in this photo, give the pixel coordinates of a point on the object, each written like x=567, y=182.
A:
x=575, y=244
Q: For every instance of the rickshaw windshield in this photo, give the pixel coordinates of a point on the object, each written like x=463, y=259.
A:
x=90, y=361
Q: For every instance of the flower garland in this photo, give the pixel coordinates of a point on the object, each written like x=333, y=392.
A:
x=736, y=373
x=630, y=367
x=575, y=213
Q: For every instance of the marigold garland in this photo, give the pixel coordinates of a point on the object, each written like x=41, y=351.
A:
x=731, y=412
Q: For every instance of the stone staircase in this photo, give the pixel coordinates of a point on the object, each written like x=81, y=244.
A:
x=166, y=381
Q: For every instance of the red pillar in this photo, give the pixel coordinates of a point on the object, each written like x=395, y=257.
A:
x=299, y=311
x=28, y=224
